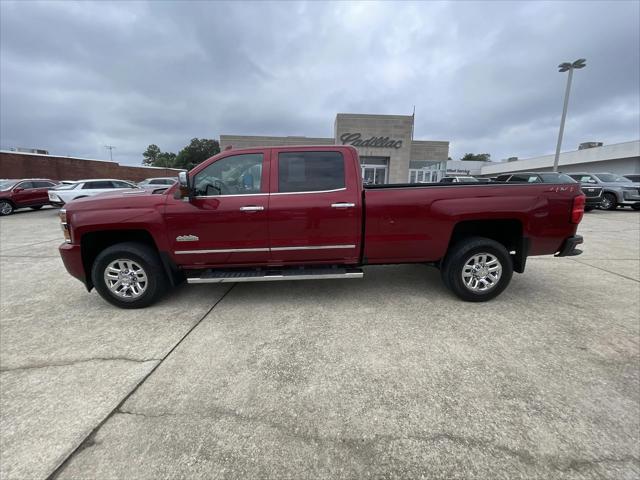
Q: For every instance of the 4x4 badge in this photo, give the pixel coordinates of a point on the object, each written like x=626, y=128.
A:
x=187, y=238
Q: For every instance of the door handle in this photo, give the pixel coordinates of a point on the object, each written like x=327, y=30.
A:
x=252, y=208
x=343, y=205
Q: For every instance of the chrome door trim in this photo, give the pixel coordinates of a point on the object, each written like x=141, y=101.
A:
x=222, y=250
x=238, y=195
x=252, y=208
x=314, y=247
x=274, y=249
x=314, y=191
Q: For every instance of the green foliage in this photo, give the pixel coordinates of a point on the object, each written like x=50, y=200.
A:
x=198, y=150
x=151, y=155
x=480, y=157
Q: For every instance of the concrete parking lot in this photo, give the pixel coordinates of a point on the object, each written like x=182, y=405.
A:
x=390, y=376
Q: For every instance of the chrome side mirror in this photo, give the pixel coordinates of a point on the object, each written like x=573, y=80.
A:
x=183, y=191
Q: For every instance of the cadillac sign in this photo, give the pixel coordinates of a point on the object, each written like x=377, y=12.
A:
x=355, y=139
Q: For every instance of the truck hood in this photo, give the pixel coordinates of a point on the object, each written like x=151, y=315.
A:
x=125, y=199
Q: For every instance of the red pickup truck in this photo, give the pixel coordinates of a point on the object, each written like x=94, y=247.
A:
x=296, y=213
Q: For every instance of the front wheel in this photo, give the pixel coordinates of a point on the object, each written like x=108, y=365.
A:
x=635, y=206
x=129, y=275
x=609, y=202
x=477, y=269
x=6, y=208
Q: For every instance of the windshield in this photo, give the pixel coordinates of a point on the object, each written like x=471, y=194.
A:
x=610, y=177
x=557, y=178
x=66, y=186
x=7, y=184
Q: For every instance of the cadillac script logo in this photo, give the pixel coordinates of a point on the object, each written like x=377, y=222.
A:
x=355, y=139
x=187, y=238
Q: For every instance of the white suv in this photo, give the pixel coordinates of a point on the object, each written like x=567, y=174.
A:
x=86, y=188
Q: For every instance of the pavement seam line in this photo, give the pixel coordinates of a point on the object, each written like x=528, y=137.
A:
x=605, y=270
x=82, y=360
x=32, y=244
x=89, y=438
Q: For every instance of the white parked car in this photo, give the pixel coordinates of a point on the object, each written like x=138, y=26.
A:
x=87, y=188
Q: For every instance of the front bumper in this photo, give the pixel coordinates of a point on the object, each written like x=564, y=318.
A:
x=568, y=248
x=72, y=258
x=593, y=201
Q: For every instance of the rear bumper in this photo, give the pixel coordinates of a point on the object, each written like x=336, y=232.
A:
x=568, y=248
x=72, y=259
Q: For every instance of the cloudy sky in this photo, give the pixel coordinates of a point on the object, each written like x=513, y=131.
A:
x=77, y=76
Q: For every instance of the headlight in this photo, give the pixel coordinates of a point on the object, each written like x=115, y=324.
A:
x=64, y=225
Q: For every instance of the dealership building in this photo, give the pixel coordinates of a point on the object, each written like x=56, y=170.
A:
x=388, y=153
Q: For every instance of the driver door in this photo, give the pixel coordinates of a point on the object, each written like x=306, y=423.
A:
x=225, y=223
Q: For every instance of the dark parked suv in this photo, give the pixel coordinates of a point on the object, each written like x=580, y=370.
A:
x=593, y=193
x=29, y=192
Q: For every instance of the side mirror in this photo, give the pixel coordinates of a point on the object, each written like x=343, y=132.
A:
x=184, y=191
x=18, y=189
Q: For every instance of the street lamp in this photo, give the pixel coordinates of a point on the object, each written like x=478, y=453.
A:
x=564, y=67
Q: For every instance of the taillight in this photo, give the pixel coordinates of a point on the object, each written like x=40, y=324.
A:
x=577, y=211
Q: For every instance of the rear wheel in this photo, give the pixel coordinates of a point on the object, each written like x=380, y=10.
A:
x=129, y=275
x=6, y=207
x=609, y=202
x=477, y=269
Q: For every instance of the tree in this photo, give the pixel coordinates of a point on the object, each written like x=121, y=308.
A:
x=166, y=160
x=477, y=157
x=198, y=150
x=151, y=155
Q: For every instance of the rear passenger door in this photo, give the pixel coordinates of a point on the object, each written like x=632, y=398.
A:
x=315, y=207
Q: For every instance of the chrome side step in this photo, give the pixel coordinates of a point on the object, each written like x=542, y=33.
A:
x=273, y=275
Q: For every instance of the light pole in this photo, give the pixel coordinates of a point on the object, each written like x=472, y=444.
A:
x=110, y=148
x=563, y=67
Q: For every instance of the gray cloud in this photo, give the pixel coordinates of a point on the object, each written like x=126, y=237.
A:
x=77, y=76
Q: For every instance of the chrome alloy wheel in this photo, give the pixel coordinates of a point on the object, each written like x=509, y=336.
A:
x=5, y=208
x=481, y=272
x=125, y=278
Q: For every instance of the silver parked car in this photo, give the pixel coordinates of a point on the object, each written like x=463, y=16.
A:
x=618, y=191
x=155, y=184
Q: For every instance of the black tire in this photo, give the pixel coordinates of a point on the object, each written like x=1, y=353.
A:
x=464, y=251
x=609, y=201
x=140, y=254
x=6, y=207
x=635, y=206
x=37, y=207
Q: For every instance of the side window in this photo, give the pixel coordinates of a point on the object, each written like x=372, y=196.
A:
x=310, y=171
x=118, y=184
x=100, y=185
x=156, y=182
x=525, y=178
x=234, y=175
x=502, y=178
x=25, y=185
x=42, y=184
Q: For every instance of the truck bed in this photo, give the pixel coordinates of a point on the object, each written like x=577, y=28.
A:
x=417, y=222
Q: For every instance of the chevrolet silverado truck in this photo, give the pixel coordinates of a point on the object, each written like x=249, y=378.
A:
x=298, y=213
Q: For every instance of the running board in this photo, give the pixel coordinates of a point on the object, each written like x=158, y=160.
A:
x=266, y=275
